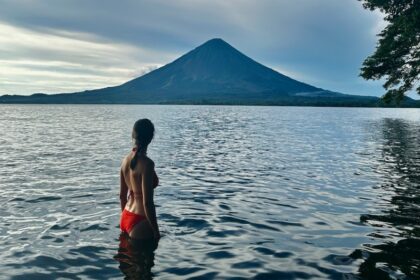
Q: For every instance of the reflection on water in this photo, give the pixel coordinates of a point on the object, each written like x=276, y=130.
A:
x=136, y=257
x=399, y=252
x=246, y=193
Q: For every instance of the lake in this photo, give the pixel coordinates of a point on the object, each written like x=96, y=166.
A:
x=245, y=192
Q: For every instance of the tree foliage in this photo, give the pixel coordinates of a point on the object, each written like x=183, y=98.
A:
x=397, y=55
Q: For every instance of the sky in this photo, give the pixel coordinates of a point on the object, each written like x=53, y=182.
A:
x=61, y=46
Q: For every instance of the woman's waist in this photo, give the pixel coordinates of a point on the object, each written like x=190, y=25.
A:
x=134, y=208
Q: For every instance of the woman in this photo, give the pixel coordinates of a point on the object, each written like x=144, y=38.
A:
x=137, y=181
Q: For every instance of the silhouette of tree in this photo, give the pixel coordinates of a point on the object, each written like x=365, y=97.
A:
x=397, y=55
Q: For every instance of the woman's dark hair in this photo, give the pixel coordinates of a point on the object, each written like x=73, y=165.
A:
x=143, y=132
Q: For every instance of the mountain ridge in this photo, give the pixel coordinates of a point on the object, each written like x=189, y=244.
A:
x=220, y=65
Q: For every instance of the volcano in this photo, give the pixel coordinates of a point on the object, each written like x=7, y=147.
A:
x=213, y=73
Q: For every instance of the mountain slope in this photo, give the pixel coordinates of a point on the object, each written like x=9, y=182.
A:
x=213, y=73
x=212, y=67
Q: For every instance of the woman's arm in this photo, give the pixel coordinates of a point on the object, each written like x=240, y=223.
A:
x=123, y=191
x=147, y=190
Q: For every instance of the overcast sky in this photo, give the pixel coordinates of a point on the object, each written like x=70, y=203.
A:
x=55, y=46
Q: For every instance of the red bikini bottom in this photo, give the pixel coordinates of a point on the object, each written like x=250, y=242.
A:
x=129, y=220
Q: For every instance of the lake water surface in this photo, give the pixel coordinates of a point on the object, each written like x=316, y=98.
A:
x=246, y=192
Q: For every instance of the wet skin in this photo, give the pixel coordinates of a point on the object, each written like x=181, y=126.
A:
x=139, y=183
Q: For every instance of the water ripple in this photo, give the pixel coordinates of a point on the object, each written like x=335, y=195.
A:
x=246, y=193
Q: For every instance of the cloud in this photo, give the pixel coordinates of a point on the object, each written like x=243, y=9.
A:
x=32, y=61
x=102, y=43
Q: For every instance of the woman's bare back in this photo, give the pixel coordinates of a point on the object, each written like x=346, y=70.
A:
x=133, y=180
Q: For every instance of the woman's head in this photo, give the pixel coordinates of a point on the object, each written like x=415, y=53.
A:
x=143, y=132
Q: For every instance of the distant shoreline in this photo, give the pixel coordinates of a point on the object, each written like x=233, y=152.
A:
x=414, y=106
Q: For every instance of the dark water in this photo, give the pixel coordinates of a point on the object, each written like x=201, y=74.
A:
x=246, y=192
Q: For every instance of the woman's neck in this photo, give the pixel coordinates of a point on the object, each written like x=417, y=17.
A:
x=139, y=151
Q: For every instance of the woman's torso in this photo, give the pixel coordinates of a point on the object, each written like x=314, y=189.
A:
x=133, y=180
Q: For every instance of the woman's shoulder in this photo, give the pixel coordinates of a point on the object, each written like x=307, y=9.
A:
x=146, y=162
x=126, y=160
